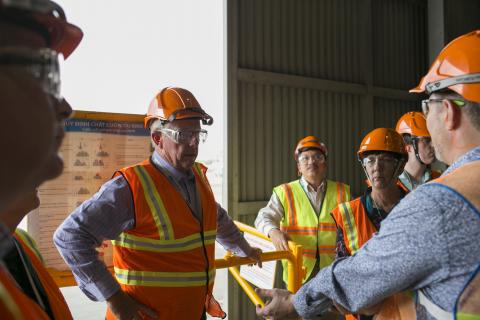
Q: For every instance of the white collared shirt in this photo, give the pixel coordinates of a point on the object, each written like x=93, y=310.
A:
x=271, y=215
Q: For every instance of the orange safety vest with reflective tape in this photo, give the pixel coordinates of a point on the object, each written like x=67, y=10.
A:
x=303, y=225
x=167, y=261
x=57, y=302
x=357, y=229
x=14, y=304
x=467, y=306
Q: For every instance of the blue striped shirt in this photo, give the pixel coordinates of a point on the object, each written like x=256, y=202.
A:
x=110, y=212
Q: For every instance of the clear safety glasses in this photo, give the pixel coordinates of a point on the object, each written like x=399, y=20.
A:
x=185, y=136
x=304, y=159
x=43, y=64
x=383, y=159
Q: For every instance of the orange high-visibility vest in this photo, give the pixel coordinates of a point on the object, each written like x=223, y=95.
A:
x=57, y=302
x=314, y=231
x=14, y=304
x=166, y=261
x=357, y=229
x=467, y=306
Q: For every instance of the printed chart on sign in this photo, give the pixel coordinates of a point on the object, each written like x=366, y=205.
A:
x=95, y=146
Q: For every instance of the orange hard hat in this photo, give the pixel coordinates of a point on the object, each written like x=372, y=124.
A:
x=383, y=139
x=63, y=36
x=413, y=123
x=174, y=104
x=457, y=68
x=310, y=142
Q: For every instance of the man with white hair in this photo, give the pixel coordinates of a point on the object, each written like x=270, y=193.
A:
x=163, y=218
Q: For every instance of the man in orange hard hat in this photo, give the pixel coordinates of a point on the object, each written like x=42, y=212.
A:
x=429, y=242
x=300, y=210
x=32, y=35
x=413, y=128
x=163, y=218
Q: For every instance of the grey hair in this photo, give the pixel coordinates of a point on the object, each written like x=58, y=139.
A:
x=157, y=126
x=471, y=109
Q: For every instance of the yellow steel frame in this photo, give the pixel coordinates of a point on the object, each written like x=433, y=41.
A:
x=296, y=271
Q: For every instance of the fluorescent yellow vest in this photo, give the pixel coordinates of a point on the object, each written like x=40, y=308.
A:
x=306, y=228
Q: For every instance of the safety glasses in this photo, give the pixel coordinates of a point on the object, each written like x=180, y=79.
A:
x=426, y=104
x=43, y=64
x=185, y=137
x=383, y=159
x=304, y=159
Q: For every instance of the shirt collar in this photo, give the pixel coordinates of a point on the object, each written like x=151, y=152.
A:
x=472, y=155
x=168, y=169
x=309, y=188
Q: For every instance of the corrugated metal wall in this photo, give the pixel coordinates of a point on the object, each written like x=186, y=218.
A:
x=332, y=68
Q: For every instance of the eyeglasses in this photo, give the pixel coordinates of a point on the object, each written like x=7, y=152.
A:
x=304, y=159
x=425, y=140
x=380, y=159
x=43, y=64
x=185, y=136
x=426, y=102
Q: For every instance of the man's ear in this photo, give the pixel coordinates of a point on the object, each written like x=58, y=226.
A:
x=452, y=115
x=157, y=138
x=409, y=148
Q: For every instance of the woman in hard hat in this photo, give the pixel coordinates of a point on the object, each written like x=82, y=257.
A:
x=383, y=156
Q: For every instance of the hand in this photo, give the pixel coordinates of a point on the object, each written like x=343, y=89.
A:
x=125, y=307
x=280, y=239
x=278, y=304
x=255, y=255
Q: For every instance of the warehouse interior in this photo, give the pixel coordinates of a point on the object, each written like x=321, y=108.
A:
x=336, y=69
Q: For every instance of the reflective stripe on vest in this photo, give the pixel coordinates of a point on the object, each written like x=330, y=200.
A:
x=175, y=245
x=163, y=279
x=28, y=241
x=14, y=304
x=433, y=309
x=314, y=233
x=159, y=213
x=7, y=301
x=350, y=227
x=357, y=229
x=56, y=301
x=167, y=261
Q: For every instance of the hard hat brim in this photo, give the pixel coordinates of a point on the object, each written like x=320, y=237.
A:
x=65, y=37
